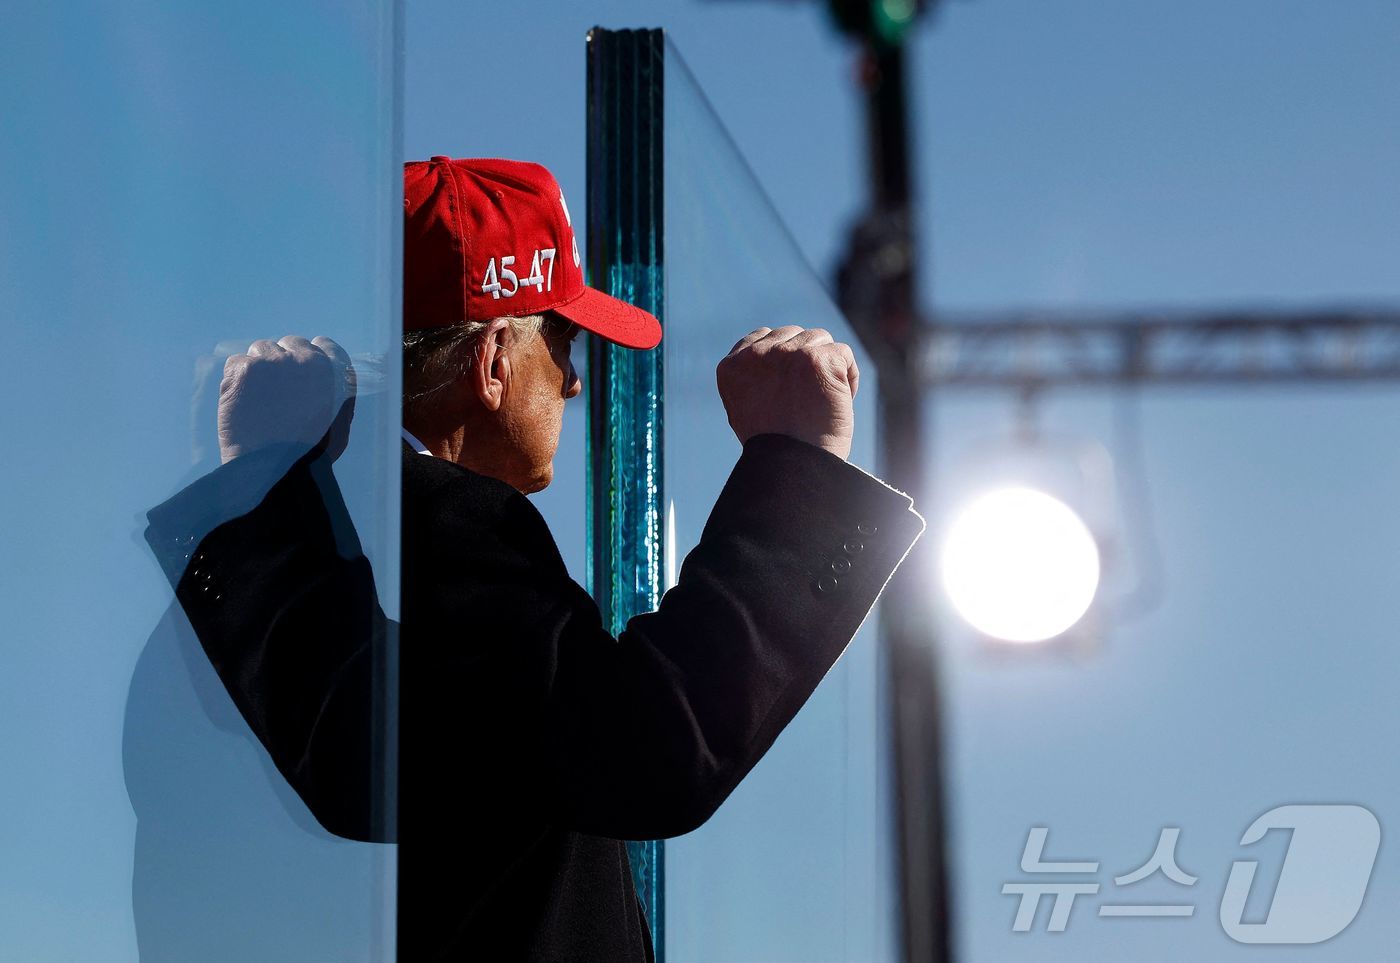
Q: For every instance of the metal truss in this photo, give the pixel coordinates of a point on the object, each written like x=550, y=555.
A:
x=1039, y=350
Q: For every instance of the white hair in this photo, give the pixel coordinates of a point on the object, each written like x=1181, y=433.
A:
x=436, y=358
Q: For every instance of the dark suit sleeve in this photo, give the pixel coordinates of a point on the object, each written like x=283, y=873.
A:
x=644, y=735
x=269, y=571
x=513, y=693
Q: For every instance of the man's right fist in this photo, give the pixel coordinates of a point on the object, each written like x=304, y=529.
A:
x=791, y=381
x=288, y=391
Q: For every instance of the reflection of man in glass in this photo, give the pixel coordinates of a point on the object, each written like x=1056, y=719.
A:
x=531, y=741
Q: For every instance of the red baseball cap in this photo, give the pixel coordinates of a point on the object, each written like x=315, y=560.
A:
x=485, y=239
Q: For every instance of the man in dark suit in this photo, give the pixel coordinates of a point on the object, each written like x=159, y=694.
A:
x=531, y=742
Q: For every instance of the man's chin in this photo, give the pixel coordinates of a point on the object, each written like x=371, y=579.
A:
x=541, y=480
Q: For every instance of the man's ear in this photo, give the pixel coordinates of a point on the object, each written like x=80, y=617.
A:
x=490, y=375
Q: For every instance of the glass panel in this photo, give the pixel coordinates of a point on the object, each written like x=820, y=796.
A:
x=177, y=182
x=626, y=251
x=795, y=864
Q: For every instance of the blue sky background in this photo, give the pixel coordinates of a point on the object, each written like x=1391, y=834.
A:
x=1097, y=154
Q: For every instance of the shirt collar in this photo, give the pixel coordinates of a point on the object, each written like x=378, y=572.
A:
x=418, y=446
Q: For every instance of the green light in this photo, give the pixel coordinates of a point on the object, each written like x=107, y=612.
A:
x=898, y=11
x=893, y=18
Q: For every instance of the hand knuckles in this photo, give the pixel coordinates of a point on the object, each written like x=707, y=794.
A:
x=331, y=347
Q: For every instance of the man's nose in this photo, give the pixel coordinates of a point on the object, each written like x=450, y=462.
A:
x=574, y=385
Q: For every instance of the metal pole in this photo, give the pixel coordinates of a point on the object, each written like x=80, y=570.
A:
x=879, y=293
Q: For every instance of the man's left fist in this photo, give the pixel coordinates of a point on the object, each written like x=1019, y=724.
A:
x=289, y=391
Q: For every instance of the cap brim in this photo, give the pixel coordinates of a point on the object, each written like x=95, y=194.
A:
x=612, y=319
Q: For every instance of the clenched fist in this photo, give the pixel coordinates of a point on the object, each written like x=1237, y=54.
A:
x=791, y=381
x=288, y=391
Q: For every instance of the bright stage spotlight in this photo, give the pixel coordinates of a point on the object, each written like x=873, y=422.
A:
x=1020, y=565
